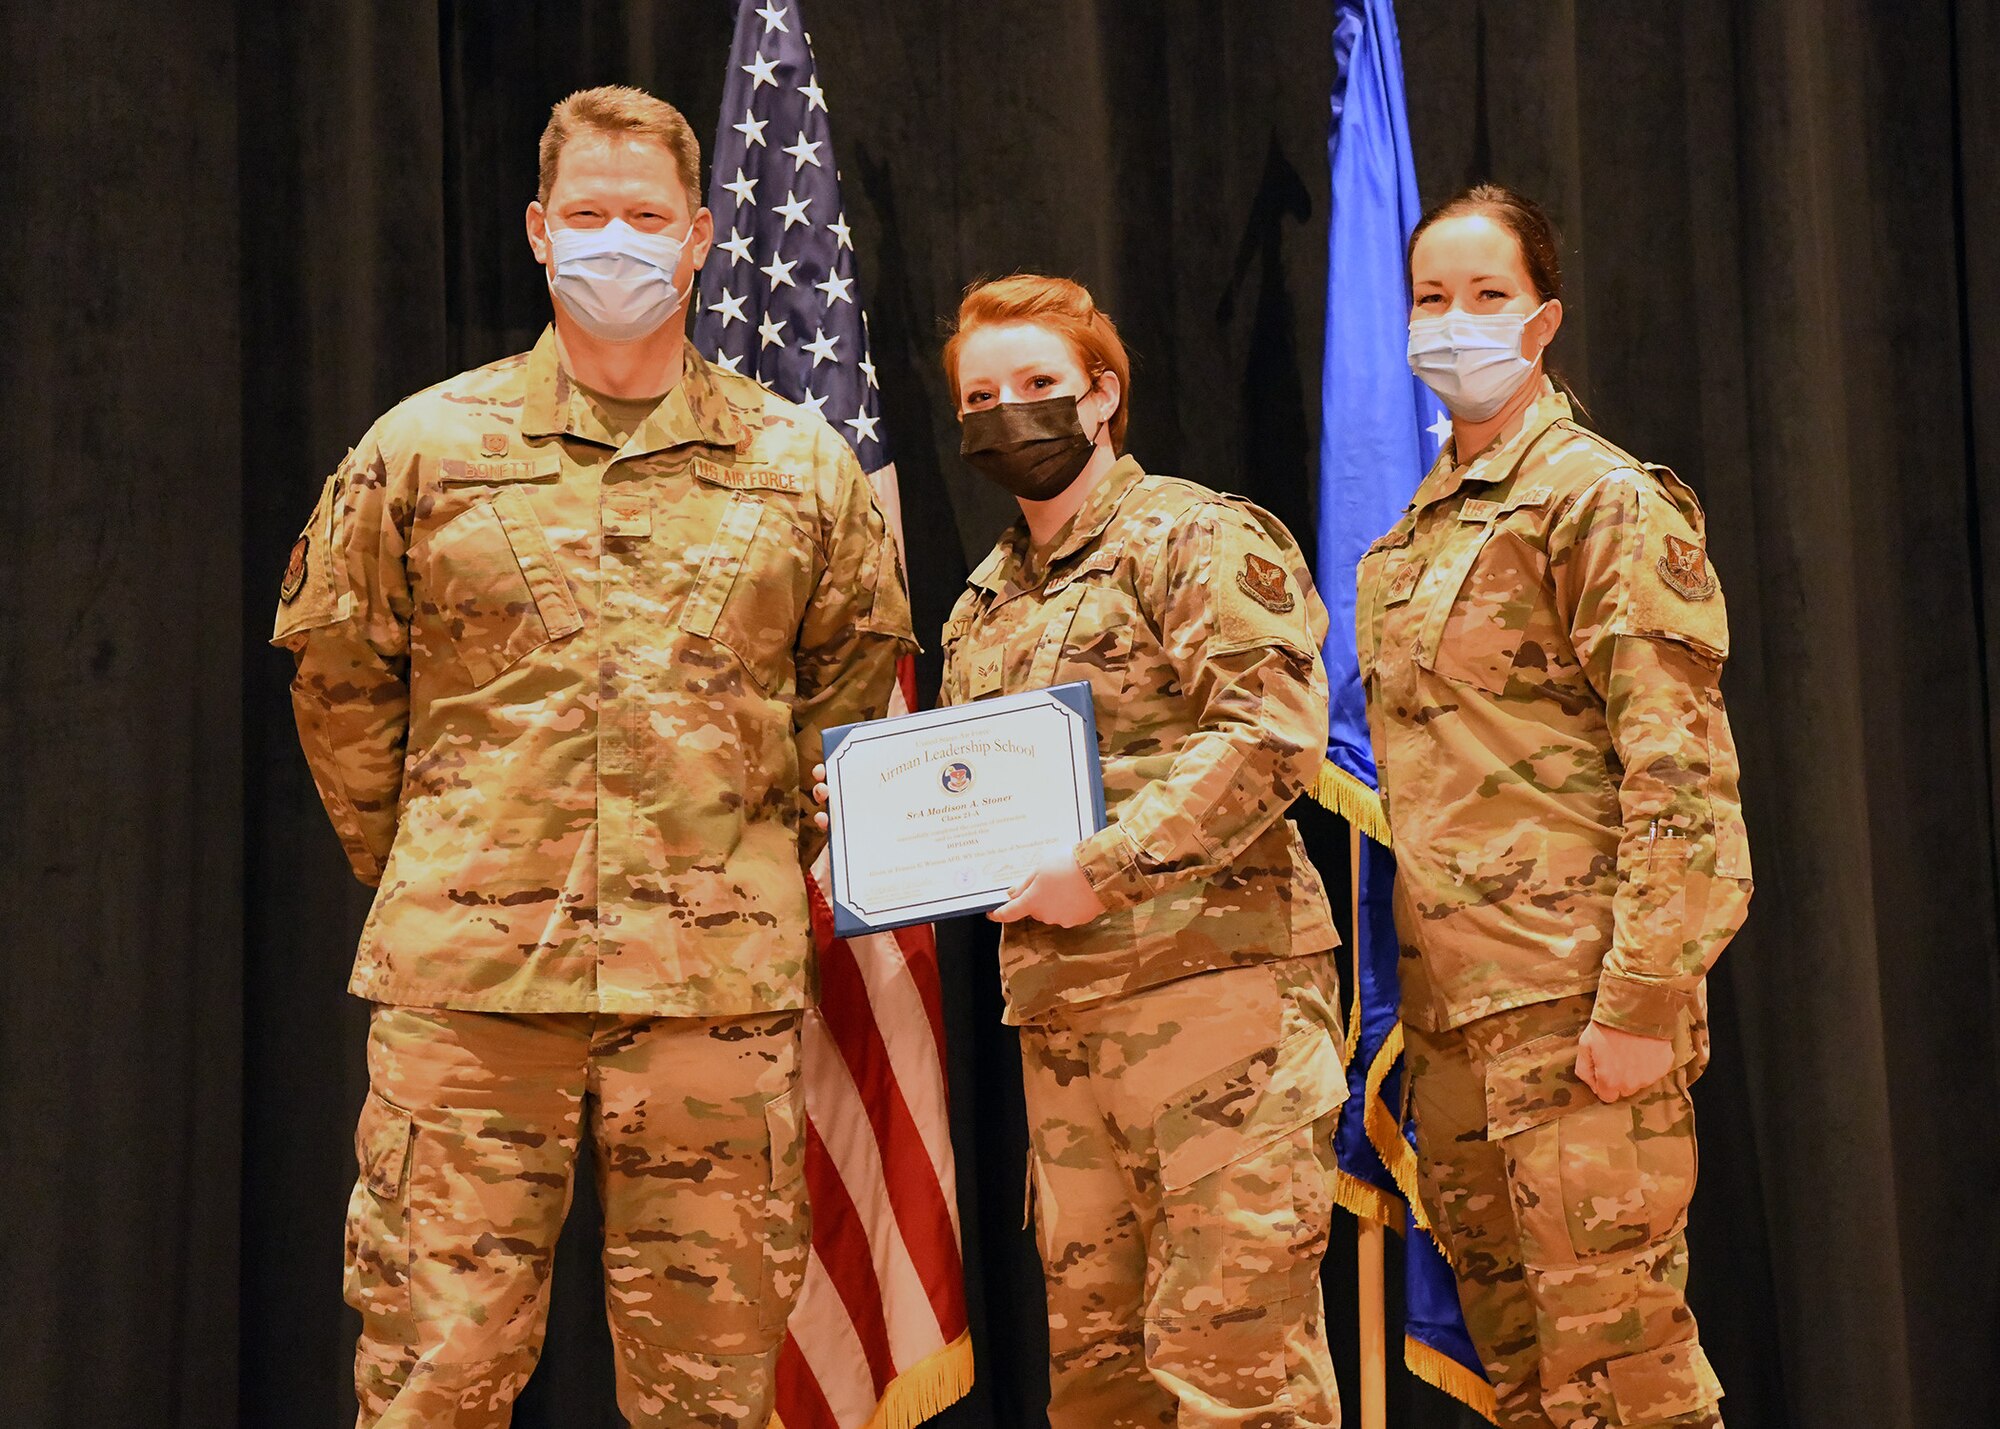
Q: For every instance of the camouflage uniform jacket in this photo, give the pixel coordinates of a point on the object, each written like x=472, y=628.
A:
x=1541, y=638
x=1194, y=619
x=556, y=691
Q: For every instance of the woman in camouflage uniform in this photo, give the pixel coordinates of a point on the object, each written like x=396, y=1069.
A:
x=1180, y=1033
x=1541, y=638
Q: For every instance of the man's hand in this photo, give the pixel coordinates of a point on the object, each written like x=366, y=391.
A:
x=1056, y=893
x=1616, y=1064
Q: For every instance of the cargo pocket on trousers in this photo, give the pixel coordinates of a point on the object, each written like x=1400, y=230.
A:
x=496, y=586
x=376, y=1278
x=1662, y=1384
x=1246, y=1199
x=1588, y=1178
x=787, y=1216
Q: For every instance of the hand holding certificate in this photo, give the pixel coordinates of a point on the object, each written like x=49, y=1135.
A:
x=940, y=813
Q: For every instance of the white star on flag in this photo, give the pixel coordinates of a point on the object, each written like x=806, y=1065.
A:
x=752, y=128
x=803, y=153
x=822, y=347
x=774, y=18
x=1441, y=429
x=771, y=332
x=794, y=209
x=844, y=237
x=738, y=246
x=814, y=98
x=730, y=308
x=744, y=189
x=863, y=424
x=780, y=272
x=761, y=72
x=836, y=288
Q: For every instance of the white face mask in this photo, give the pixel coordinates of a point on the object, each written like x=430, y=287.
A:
x=1472, y=361
x=618, y=283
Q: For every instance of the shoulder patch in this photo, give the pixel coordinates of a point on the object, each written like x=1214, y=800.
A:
x=1684, y=567
x=1264, y=582
x=295, y=570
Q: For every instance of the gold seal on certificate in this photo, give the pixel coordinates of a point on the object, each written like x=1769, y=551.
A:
x=939, y=813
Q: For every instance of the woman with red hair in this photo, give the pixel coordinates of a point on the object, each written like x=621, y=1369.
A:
x=1180, y=1031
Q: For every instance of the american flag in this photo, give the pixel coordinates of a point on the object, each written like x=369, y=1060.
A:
x=879, y=1336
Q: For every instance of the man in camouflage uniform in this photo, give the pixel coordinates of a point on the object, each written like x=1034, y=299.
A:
x=562, y=654
x=1181, y=1051
x=1541, y=638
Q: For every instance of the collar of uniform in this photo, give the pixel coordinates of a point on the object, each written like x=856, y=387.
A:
x=545, y=407
x=1498, y=460
x=1006, y=567
x=1097, y=510
x=1009, y=552
x=695, y=410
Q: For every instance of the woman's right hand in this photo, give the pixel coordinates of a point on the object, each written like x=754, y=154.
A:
x=819, y=796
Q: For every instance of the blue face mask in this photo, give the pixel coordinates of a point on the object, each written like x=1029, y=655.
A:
x=1473, y=361
x=618, y=283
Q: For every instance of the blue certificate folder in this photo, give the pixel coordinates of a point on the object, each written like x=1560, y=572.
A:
x=936, y=814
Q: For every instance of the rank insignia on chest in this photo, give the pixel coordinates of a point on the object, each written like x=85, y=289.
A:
x=985, y=672
x=1264, y=582
x=1684, y=568
x=493, y=443
x=1403, y=584
x=295, y=571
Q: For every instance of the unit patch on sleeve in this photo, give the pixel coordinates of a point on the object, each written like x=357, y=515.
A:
x=1264, y=582
x=1684, y=568
x=295, y=571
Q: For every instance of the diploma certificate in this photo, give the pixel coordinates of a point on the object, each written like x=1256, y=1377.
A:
x=939, y=813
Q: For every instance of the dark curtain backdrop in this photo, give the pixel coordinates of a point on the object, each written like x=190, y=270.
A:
x=242, y=232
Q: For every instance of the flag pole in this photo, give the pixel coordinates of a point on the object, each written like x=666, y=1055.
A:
x=1368, y=1241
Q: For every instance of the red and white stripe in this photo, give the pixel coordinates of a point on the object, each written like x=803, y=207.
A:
x=879, y=1335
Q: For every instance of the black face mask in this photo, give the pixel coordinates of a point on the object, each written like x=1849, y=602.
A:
x=1033, y=449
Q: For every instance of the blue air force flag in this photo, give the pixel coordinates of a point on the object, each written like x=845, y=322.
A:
x=1380, y=431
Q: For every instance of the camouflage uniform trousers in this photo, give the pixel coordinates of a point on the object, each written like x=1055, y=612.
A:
x=1566, y=1218
x=467, y=1144
x=1179, y=1170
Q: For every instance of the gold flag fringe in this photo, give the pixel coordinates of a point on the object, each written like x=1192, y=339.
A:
x=1361, y=806
x=1440, y=1371
x=1341, y=793
x=1385, y=1131
x=1370, y=1203
x=925, y=1389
